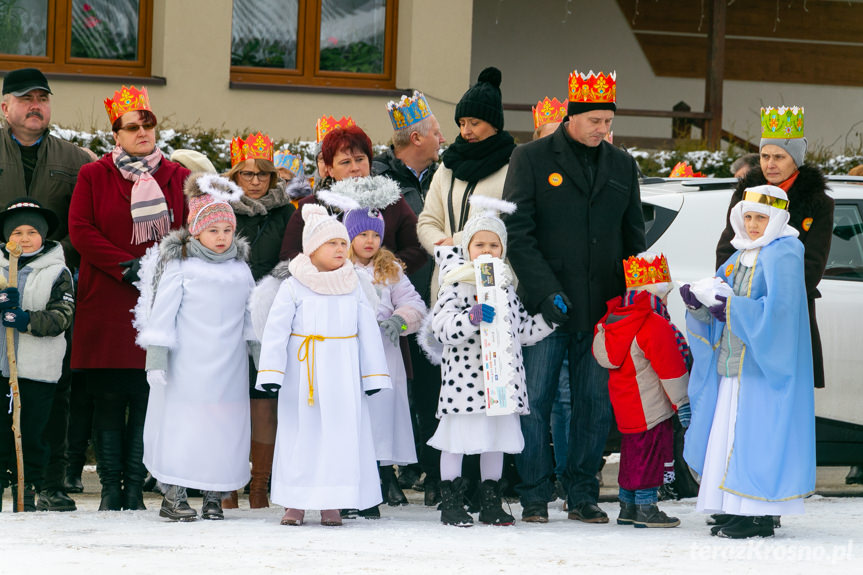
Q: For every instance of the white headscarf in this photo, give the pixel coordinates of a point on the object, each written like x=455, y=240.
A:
x=777, y=227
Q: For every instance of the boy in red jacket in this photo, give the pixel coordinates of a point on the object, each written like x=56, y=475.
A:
x=648, y=360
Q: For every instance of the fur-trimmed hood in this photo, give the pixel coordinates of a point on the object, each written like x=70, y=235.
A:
x=808, y=194
x=276, y=197
x=171, y=246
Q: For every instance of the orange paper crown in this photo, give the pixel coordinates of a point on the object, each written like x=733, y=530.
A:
x=593, y=88
x=126, y=100
x=639, y=272
x=327, y=124
x=254, y=146
x=547, y=111
x=684, y=170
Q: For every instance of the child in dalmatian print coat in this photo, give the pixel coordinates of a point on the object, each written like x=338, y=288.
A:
x=464, y=426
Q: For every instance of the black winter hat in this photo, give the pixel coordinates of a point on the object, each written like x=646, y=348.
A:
x=483, y=100
x=27, y=211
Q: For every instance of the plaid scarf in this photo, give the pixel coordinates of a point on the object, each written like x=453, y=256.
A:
x=150, y=217
x=659, y=308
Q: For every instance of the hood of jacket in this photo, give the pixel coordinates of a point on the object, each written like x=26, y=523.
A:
x=171, y=246
x=621, y=324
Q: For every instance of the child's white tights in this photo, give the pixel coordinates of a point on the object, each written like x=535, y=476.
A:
x=490, y=465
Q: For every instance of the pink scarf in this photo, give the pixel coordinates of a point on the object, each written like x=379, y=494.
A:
x=150, y=216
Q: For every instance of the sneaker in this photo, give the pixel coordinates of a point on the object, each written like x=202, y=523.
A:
x=587, y=512
x=651, y=516
x=748, y=527
x=627, y=513
x=535, y=513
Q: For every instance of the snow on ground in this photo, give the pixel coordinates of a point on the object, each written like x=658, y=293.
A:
x=410, y=540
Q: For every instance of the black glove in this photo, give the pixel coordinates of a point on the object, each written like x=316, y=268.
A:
x=689, y=298
x=132, y=269
x=555, y=307
x=9, y=298
x=371, y=392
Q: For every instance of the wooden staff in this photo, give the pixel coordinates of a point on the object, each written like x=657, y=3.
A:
x=14, y=253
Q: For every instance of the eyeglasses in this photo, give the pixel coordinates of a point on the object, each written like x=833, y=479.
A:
x=249, y=176
x=132, y=128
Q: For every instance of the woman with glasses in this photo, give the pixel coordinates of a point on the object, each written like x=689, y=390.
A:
x=262, y=214
x=122, y=204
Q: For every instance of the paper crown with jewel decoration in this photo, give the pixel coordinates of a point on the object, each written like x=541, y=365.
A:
x=408, y=111
x=327, y=124
x=593, y=88
x=782, y=122
x=640, y=272
x=127, y=100
x=292, y=163
x=684, y=170
x=547, y=111
x=255, y=146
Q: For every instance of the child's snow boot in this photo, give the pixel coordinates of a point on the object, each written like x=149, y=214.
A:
x=748, y=527
x=650, y=516
x=175, y=506
x=491, y=512
x=627, y=514
x=212, y=506
x=452, y=503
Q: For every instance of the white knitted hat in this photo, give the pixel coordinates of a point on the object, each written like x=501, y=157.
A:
x=486, y=216
x=320, y=227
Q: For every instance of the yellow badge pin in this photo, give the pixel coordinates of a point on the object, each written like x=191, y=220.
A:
x=728, y=269
x=555, y=179
x=807, y=223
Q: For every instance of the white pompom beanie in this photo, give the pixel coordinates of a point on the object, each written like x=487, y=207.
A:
x=320, y=227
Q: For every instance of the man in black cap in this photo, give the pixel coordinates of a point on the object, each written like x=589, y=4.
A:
x=35, y=164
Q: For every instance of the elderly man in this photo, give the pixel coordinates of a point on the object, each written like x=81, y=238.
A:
x=578, y=217
x=36, y=164
x=412, y=161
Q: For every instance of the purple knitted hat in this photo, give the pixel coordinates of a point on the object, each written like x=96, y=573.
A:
x=361, y=220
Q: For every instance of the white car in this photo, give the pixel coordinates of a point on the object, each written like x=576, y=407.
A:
x=684, y=219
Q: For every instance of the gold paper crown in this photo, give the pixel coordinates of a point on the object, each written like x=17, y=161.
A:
x=127, y=100
x=639, y=272
x=408, y=111
x=547, y=111
x=254, y=146
x=593, y=88
x=782, y=123
x=684, y=170
x=327, y=124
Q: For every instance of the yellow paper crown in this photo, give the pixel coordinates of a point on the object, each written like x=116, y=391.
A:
x=782, y=122
x=547, y=111
x=408, y=111
x=126, y=100
x=254, y=146
x=327, y=124
x=639, y=272
x=593, y=88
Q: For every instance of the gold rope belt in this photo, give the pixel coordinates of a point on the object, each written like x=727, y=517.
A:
x=303, y=356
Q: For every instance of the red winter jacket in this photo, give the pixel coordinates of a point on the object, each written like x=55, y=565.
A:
x=100, y=227
x=647, y=374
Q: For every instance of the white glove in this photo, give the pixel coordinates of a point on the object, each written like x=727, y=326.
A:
x=157, y=377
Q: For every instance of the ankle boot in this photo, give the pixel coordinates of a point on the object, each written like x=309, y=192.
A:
x=649, y=515
x=231, y=500
x=212, y=506
x=29, y=498
x=431, y=486
x=262, y=466
x=109, y=454
x=491, y=509
x=452, y=503
x=627, y=513
x=391, y=492
x=748, y=527
x=134, y=470
x=175, y=506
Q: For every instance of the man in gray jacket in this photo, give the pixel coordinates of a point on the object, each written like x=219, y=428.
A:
x=35, y=164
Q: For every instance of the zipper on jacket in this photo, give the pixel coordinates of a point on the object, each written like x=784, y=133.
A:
x=60, y=172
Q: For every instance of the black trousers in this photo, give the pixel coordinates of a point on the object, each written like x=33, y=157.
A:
x=57, y=426
x=424, y=394
x=120, y=398
x=36, y=400
x=80, y=429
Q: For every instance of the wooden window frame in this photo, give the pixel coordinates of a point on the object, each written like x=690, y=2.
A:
x=58, y=59
x=308, y=72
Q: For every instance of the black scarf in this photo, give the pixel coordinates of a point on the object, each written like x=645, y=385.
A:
x=471, y=162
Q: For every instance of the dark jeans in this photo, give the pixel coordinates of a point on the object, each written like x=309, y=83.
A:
x=425, y=391
x=36, y=400
x=591, y=419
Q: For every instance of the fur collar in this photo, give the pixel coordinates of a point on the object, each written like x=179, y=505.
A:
x=808, y=194
x=171, y=246
x=281, y=271
x=276, y=197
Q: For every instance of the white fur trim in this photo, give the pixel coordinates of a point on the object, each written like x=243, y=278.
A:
x=337, y=200
x=220, y=187
x=432, y=348
x=373, y=192
x=490, y=204
x=146, y=285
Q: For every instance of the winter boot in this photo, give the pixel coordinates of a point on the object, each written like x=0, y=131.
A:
x=231, y=500
x=409, y=475
x=491, y=511
x=134, y=470
x=55, y=501
x=76, y=454
x=452, y=503
x=748, y=527
x=627, y=514
x=855, y=475
x=649, y=515
x=295, y=517
x=175, y=506
x=212, y=506
x=431, y=486
x=109, y=454
x=720, y=518
x=330, y=518
x=534, y=512
x=390, y=489
x=349, y=513
x=29, y=498
x=262, y=466
x=726, y=521
x=370, y=513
